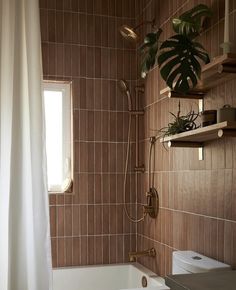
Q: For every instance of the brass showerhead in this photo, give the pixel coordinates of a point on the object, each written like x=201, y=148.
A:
x=129, y=33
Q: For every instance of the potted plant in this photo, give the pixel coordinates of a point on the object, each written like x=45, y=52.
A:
x=179, y=57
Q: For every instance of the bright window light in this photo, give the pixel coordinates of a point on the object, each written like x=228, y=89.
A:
x=57, y=103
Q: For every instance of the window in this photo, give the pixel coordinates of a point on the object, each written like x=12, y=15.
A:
x=58, y=121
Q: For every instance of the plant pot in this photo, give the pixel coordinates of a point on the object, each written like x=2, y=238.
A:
x=208, y=117
x=227, y=113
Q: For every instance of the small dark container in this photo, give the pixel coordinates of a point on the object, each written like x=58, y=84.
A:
x=208, y=117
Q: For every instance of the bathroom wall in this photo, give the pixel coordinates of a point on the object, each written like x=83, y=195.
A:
x=197, y=198
x=81, y=44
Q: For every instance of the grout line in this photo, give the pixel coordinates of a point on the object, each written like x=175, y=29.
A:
x=97, y=235
x=86, y=13
x=88, y=46
x=195, y=214
x=71, y=78
x=155, y=241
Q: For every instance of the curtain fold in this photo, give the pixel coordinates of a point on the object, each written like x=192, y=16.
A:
x=25, y=253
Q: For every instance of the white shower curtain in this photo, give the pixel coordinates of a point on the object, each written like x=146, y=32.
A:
x=25, y=255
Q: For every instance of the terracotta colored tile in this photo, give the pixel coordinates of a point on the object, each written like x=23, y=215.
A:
x=76, y=251
x=83, y=157
x=68, y=252
x=90, y=54
x=53, y=221
x=98, y=126
x=52, y=199
x=90, y=94
x=84, y=251
x=105, y=188
x=120, y=247
x=75, y=54
x=52, y=59
x=106, y=249
x=113, y=245
x=60, y=221
x=98, y=188
x=54, y=252
x=61, y=252
x=68, y=220
x=98, y=242
x=90, y=29
x=83, y=62
x=91, y=250
x=59, y=59
x=67, y=27
x=91, y=157
x=84, y=219
x=75, y=26
x=83, y=188
x=75, y=5
x=67, y=60
x=76, y=220
x=98, y=226
x=98, y=31
x=112, y=188
x=90, y=220
x=106, y=220
x=60, y=199
x=98, y=97
x=112, y=157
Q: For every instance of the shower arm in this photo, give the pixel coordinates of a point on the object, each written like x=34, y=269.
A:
x=145, y=22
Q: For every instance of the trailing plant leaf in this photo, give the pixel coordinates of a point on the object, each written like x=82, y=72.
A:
x=190, y=22
x=179, y=62
x=149, y=50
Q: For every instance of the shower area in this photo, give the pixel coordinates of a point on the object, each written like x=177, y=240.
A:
x=82, y=43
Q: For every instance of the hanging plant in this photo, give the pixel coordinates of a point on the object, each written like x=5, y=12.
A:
x=178, y=57
x=179, y=65
x=190, y=22
x=149, y=51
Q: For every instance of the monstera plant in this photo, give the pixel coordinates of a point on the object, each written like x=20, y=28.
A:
x=180, y=56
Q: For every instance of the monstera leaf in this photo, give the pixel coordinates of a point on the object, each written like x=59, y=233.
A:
x=190, y=22
x=149, y=51
x=179, y=62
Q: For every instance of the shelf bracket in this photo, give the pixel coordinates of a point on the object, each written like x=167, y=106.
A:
x=226, y=133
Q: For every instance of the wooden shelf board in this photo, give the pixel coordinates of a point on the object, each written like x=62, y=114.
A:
x=203, y=134
x=212, y=75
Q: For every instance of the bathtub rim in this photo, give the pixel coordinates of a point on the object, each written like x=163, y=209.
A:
x=136, y=265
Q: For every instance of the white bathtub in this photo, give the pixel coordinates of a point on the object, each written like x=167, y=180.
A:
x=110, y=277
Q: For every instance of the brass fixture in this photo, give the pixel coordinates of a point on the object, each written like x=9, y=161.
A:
x=124, y=88
x=147, y=253
x=140, y=88
x=144, y=282
x=137, y=112
x=130, y=34
x=139, y=168
x=152, y=206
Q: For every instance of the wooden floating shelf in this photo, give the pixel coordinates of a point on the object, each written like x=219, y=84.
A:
x=196, y=138
x=219, y=70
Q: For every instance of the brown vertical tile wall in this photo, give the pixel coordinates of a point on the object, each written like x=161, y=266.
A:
x=81, y=43
x=197, y=198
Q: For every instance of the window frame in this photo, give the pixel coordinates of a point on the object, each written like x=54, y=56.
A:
x=66, y=88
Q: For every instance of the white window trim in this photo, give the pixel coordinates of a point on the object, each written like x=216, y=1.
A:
x=65, y=88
